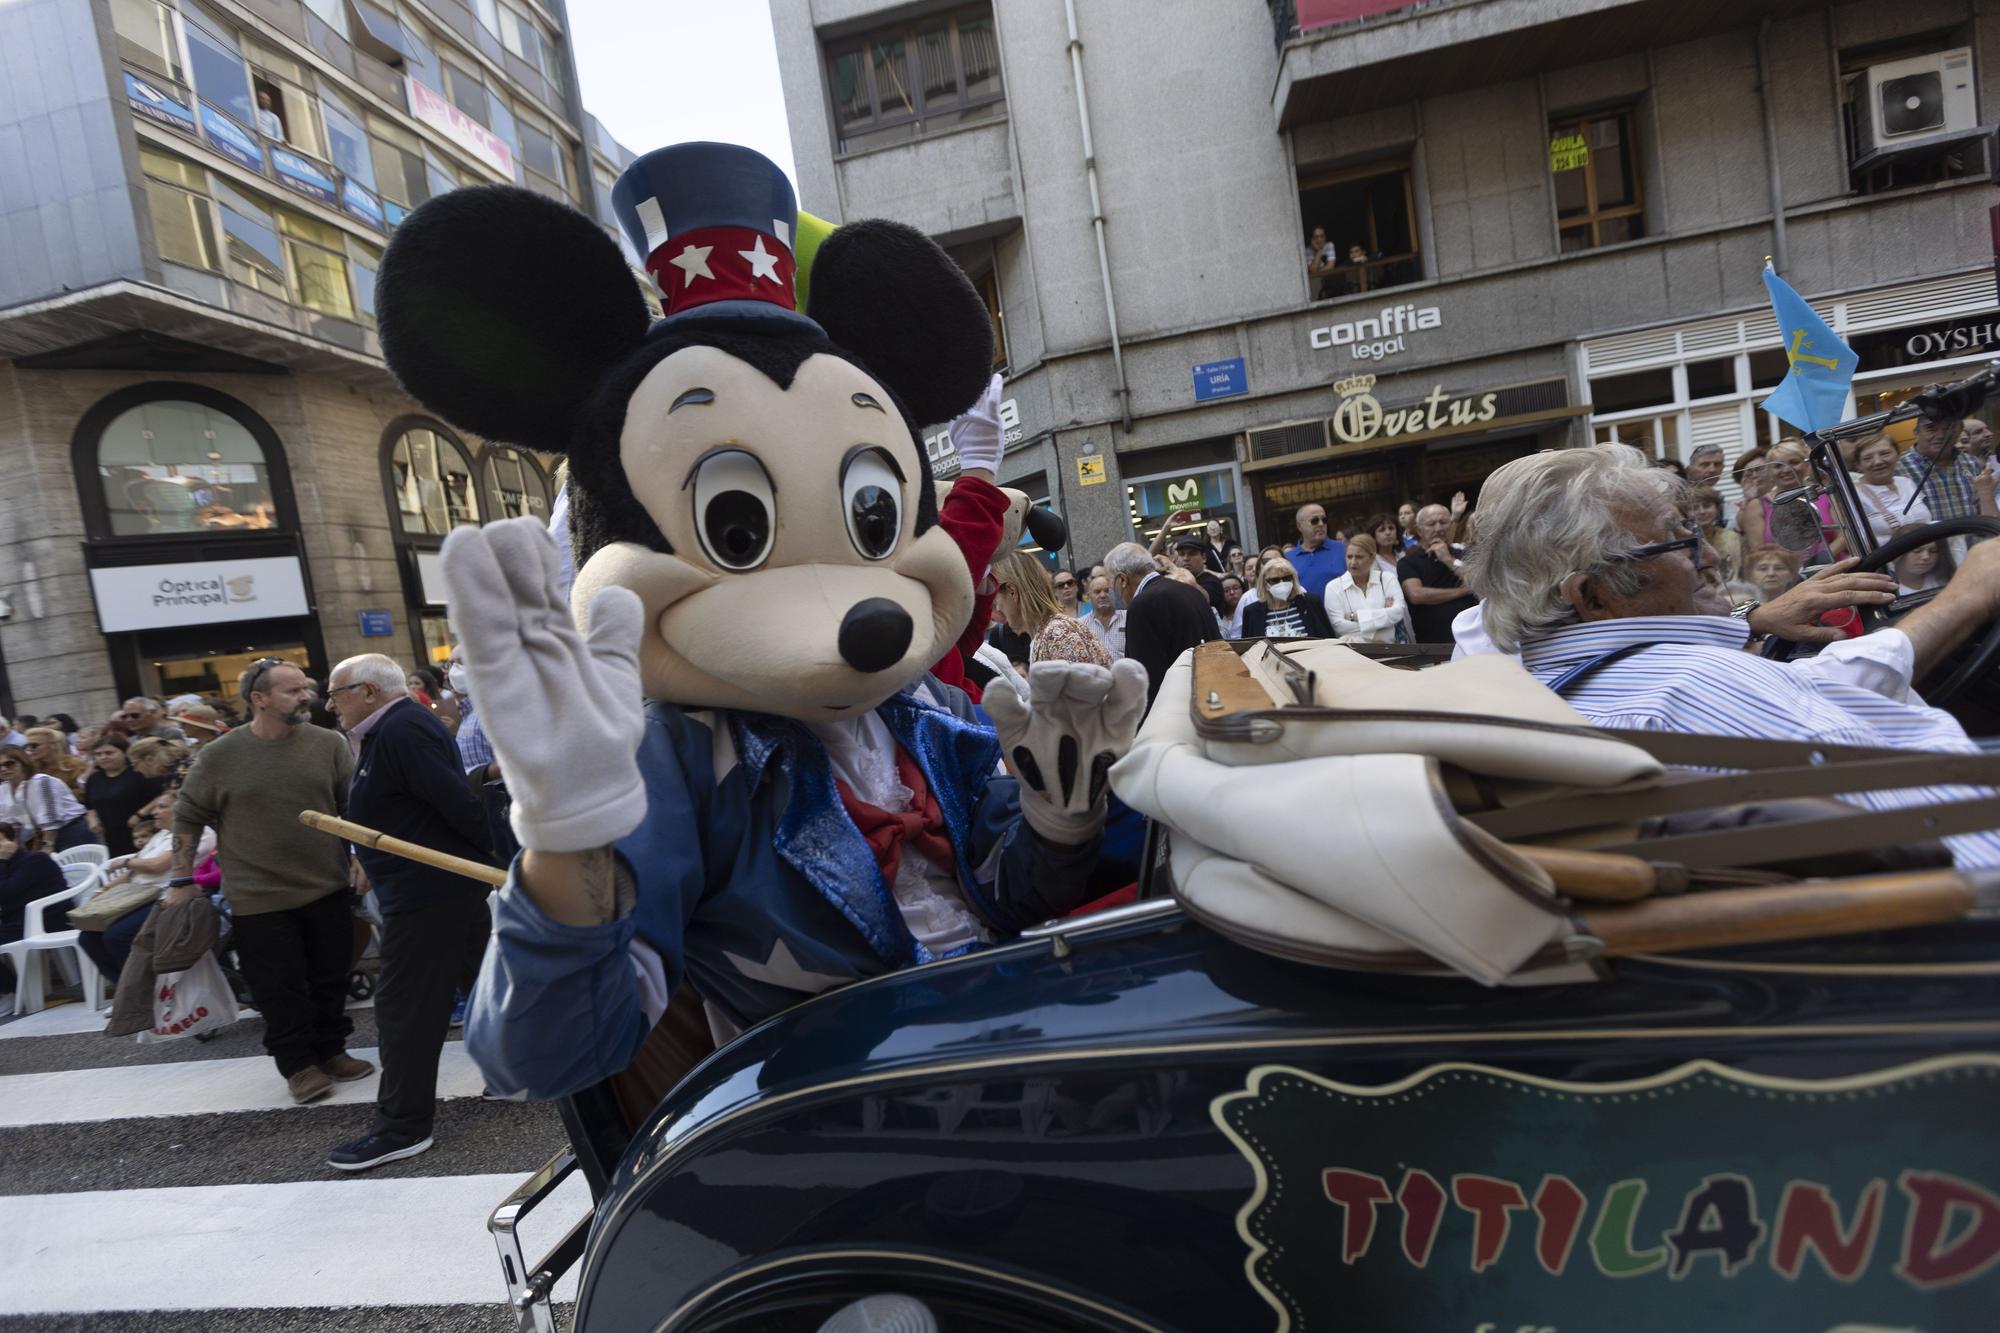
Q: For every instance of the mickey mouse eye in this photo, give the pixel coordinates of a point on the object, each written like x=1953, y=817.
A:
x=870, y=494
x=734, y=510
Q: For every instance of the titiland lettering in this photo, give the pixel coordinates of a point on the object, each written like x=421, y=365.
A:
x=1949, y=1230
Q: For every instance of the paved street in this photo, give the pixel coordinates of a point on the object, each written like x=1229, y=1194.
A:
x=175, y=1188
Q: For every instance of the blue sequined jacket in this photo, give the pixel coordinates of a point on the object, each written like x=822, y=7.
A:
x=753, y=884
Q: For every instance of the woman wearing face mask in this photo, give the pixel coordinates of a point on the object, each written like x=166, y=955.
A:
x=1888, y=498
x=1366, y=603
x=1282, y=610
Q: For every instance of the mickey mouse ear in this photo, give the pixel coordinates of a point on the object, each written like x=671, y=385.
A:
x=887, y=293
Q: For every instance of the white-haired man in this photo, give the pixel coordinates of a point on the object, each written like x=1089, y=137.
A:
x=1163, y=618
x=407, y=783
x=1586, y=567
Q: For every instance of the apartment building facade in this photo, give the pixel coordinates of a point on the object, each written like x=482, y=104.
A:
x=1540, y=224
x=207, y=459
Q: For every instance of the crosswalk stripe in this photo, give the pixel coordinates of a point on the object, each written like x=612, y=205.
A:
x=418, y=1241
x=193, y=1087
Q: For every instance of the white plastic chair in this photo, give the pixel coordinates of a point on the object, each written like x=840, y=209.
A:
x=91, y=853
x=82, y=879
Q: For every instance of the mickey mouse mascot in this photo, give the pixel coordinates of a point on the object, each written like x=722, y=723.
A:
x=732, y=766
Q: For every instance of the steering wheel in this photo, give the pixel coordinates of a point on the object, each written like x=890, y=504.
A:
x=1971, y=666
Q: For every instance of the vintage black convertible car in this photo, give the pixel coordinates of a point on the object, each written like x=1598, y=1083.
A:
x=1133, y=1121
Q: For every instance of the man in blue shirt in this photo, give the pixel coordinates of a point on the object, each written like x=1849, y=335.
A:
x=1318, y=560
x=1584, y=558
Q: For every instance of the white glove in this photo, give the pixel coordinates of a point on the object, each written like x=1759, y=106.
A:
x=562, y=710
x=977, y=435
x=1076, y=721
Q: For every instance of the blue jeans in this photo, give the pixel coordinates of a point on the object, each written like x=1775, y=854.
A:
x=110, y=947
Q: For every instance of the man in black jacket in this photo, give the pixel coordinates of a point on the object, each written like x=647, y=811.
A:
x=1164, y=617
x=408, y=783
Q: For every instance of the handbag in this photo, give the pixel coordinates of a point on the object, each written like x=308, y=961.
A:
x=189, y=1003
x=104, y=907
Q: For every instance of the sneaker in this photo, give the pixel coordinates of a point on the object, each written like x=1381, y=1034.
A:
x=374, y=1150
x=344, y=1068
x=308, y=1085
x=458, y=1011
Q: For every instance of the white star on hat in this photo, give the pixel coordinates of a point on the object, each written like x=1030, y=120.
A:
x=693, y=263
x=762, y=263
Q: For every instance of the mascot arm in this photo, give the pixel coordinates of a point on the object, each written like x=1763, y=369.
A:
x=1026, y=878
x=560, y=1007
x=975, y=514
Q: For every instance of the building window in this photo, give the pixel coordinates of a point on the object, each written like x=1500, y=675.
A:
x=515, y=486
x=989, y=291
x=430, y=476
x=542, y=157
x=914, y=79
x=319, y=265
x=1359, y=230
x=178, y=464
x=285, y=110
x=220, y=76
x=1599, y=200
x=367, y=261
x=467, y=93
x=256, y=255
x=146, y=36
x=399, y=167
x=183, y=229
x=346, y=140
x=1656, y=437
x=489, y=15
x=333, y=13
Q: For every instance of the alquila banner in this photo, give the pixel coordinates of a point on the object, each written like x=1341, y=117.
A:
x=1479, y=1200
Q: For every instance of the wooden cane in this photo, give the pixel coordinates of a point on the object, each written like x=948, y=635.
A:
x=1604, y=877
x=1788, y=912
x=367, y=837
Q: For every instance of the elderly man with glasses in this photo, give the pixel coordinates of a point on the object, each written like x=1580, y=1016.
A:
x=287, y=885
x=1586, y=566
x=145, y=717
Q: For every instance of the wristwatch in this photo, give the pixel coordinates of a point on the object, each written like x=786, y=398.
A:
x=181, y=882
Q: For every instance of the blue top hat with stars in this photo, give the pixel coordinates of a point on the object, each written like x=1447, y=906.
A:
x=714, y=222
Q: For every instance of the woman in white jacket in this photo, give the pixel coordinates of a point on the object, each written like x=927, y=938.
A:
x=1366, y=603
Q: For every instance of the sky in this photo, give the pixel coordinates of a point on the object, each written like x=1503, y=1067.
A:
x=657, y=72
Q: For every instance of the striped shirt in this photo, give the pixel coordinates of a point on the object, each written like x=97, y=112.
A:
x=1948, y=490
x=1695, y=677
x=473, y=749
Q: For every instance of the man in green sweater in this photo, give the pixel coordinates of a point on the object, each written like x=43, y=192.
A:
x=286, y=884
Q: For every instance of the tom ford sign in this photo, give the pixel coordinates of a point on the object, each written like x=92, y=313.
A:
x=201, y=592
x=1373, y=337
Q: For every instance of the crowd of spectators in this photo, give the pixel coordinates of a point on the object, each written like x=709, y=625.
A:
x=199, y=798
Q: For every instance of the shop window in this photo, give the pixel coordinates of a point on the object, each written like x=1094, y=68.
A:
x=256, y=255
x=1655, y=437
x=1712, y=379
x=172, y=465
x=220, y=76
x=1599, y=198
x=435, y=631
x=145, y=32
x=1622, y=393
x=346, y=140
x=430, y=476
x=1368, y=219
x=467, y=92
x=183, y=229
x=319, y=265
x=515, y=487
x=914, y=79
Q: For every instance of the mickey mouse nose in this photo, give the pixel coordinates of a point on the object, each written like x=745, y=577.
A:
x=874, y=634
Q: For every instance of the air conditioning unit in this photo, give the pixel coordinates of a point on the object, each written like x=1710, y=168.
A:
x=1905, y=102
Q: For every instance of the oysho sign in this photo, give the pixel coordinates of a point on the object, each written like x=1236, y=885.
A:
x=1953, y=339
x=1377, y=336
x=134, y=597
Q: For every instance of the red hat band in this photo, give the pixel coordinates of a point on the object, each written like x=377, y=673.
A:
x=710, y=264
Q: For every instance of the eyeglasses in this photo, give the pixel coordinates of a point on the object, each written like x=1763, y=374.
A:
x=1692, y=544
x=258, y=670
x=336, y=689
x=1065, y=583
x=1318, y=521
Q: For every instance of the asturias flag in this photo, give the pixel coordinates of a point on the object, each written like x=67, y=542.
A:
x=1814, y=394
